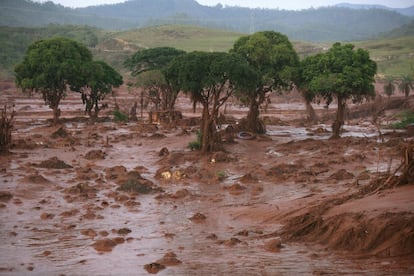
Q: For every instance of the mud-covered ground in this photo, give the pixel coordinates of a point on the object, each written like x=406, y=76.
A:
x=132, y=199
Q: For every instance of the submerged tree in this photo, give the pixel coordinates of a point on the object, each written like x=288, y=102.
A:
x=343, y=73
x=211, y=78
x=50, y=67
x=273, y=58
x=100, y=78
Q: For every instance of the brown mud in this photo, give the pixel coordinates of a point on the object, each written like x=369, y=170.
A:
x=132, y=199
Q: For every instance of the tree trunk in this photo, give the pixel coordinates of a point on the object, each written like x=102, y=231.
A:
x=206, y=135
x=340, y=118
x=56, y=114
x=254, y=124
x=312, y=117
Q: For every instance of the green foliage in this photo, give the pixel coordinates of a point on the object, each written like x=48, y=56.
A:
x=406, y=119
x=221, y=175
x=51, y=65
x=342, y=73
x=151, y=59
x=210, y=78
x=274, y=60
x=120, y=116
x=196, y=145
x=100, y=78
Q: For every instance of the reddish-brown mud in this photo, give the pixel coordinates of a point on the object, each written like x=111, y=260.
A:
x=131, y=199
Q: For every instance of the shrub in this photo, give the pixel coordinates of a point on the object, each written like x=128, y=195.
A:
x=119, y=116
x=406, y=117
x=196, y=145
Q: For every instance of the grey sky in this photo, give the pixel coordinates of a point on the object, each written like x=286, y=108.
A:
x=290, y=5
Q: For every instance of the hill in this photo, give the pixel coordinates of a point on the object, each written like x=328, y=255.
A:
x=323, y=24
x=393, y=54
x=405, y=11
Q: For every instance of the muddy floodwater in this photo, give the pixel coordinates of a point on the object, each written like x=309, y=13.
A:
x=132, y=199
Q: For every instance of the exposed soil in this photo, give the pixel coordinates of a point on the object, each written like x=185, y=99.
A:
x=114, y=198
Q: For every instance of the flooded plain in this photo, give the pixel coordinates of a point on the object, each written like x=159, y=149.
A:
x=131, y=199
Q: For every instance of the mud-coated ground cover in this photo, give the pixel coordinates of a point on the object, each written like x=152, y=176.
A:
x=131, y=198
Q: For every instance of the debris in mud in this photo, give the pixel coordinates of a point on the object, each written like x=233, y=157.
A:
x=231, y=242
x=342, y=174
x=236, y=189
x=80, y=190
x=60, y=133
x=5, y=196
x=86, y=173
x=273, y=245
x=116, y=172
x=46, y=216
x=169, y=259
x=222, y=156
x=95, y=155
x=157, y=136
x=154, y=268
x=169, y=174
x=53, y=163
x=163, y=152
x=105, y=245
x=35, y=178
x=248, y=178
x=139, y=185
x=198, y=217
x=89, y=232
x=212, y=237
x=124, y=231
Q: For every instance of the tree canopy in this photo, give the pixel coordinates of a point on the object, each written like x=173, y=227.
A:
x=343, y=73
x=211, y=78
x=100, y=78
x=150, y=65
x=272, y=56
x=50, y=66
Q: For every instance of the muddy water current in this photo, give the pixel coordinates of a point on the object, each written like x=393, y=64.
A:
x=43, y=233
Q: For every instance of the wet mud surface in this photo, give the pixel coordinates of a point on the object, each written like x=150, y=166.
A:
x=132, y=199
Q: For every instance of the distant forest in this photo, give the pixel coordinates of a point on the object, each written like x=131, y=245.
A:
x=323, y=24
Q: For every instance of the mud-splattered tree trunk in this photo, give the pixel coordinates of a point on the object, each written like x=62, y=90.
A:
x=254, y=123
x=340, y=119
x=6, y=126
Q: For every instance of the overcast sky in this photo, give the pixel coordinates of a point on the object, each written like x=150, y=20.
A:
x=289, y=5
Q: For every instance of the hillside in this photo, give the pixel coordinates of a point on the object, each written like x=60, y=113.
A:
x=394, y=55
x=323, y=24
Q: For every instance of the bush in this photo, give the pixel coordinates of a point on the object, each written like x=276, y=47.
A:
x=196, y=145
x=6, y=126
x=119, y=116
x=407, y=118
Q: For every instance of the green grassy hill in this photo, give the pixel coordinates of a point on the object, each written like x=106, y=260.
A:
x=394, y=55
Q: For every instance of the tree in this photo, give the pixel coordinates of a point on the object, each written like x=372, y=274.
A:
x=308, y=68
x=389, y=86
x=50, y=66
x=100, y=78
x=150, y=64
x=211, y=78
x=273, y=58
x=343, y=73
x=406, y=85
